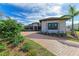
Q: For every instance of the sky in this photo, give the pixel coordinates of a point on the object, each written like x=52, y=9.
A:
x=28, y=13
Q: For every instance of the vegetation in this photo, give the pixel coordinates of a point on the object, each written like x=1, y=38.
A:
x=72, y=12
x=26, y=48
x=34, y=49
x=2, y=47
x=17, y=40
x=71, y=38
x=12, y=43
x=9, y=29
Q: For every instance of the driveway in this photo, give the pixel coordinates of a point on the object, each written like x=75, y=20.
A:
x=58, y=46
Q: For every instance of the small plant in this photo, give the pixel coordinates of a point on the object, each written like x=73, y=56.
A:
x=17, y=40
x=32, y=53
x=2, y=46
x=26, y=47
x=20, y=38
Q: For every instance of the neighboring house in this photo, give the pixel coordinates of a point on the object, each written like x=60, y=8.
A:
x=34, y=26
x=68, y=29
x=53, y=25
x=76, y=26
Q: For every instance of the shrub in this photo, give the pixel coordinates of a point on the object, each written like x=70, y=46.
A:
x=2, y=46
x=20, y=38
x=9, y=29
x=26, y=47
x=17, y=40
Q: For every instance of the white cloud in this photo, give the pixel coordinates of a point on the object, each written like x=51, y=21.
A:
x=57, y=9
x=70, y=22
x=43, y=10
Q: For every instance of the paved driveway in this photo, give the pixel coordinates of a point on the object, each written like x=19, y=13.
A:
x=58, y=46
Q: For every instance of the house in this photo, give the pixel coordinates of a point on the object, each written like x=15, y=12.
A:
x=34, y=26
x=28, y=27
x=76, y=26
x=53, y=25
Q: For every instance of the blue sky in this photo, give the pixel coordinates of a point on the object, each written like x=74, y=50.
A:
x=27, y=13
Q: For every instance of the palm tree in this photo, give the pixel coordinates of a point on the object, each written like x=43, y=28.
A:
x=72, y=12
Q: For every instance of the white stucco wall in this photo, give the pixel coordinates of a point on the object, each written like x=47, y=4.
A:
x=61, y=26
x=35, y=24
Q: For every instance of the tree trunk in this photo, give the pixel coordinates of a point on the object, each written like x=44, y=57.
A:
x=73, y=33
x=72, y=30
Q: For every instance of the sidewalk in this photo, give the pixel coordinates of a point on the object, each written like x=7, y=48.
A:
x=58, y=46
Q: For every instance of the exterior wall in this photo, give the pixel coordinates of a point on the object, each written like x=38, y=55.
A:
x=61, y=26
x=68, y=29
x=35, y=24
x=33, y=27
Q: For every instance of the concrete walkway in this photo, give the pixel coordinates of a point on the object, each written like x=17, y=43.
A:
x=58, y=46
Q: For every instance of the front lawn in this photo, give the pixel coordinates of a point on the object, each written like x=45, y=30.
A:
x=77, y=32
x=72, y=39
x=25, y=48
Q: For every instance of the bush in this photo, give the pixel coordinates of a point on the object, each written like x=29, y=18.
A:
x=26, y=47
x=20, y=38
x=9, y=29
x=2, y=47
x=17, y=40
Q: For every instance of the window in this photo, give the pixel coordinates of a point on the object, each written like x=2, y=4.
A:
x=52, y=26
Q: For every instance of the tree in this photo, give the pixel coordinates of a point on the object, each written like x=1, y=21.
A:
x=9, y=28
x=72, y=12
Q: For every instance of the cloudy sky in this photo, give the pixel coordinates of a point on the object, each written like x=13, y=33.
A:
x=27, y=13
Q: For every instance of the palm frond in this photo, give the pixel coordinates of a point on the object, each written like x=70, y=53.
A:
x=76, y=13
x=66, y=16
x=72, y=10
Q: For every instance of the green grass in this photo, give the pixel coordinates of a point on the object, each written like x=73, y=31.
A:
x=37, y=49
x=77, y=32
x=72, y=39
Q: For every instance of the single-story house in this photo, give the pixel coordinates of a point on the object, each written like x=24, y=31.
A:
x=76, y=26
x=53, y=25
x=34, y=26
